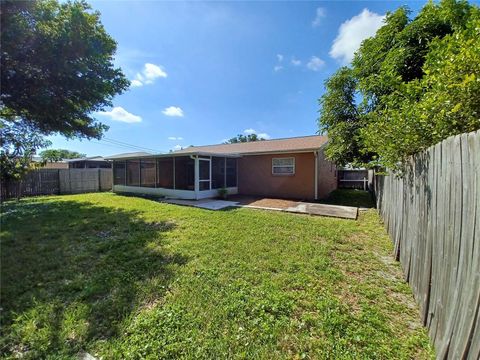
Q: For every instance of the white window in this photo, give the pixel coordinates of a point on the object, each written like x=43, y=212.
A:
x=283, y=166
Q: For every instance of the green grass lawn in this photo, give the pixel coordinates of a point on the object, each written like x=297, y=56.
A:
x=130, y=278
x=350, y=197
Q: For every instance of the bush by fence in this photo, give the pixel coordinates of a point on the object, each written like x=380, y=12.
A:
x=432, y=214
x=58, y=181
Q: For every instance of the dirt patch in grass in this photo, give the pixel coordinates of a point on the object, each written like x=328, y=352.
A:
x=265, y=202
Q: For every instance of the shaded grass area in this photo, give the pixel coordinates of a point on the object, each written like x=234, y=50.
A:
x=123, y=277
x=350, y=197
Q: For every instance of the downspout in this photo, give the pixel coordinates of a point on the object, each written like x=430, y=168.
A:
x=316, y=174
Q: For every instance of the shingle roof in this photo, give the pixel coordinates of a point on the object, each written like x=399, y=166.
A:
x=87, y=158
x=302, y=143
x=128, y=155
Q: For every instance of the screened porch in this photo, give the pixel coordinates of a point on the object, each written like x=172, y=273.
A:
x=185, y=177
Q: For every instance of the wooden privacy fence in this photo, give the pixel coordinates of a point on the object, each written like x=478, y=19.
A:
x=58, y=181
x=353, y=179
x=432, y=214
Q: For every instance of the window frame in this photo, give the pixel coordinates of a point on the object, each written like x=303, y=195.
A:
x=283, y=166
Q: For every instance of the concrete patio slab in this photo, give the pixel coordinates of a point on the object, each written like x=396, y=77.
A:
x=300, y=207
x=344, y=212
x=209, y=204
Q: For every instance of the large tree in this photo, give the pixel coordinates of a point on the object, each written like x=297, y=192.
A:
x=416, y=82
x=342, y=120
x=244, y=138
x=56, y=62
x=57, y=66
x=59, y=155
x=18, y=142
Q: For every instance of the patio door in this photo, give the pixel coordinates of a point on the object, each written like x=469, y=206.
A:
x=204, y=174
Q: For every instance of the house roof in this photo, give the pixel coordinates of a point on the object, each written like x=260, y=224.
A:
x=128, y=155
x=295, y=144
x=88, y=158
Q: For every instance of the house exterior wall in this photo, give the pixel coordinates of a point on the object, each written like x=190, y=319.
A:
x=255, y=177
x=327, y=176
x=85, y=164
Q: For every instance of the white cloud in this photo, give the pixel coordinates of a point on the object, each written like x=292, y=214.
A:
x=320, y=14
x=120, y=114
x=148, y=75
x=352, y=32
x=136, y=83
x=315, y=63
x=175, y=138
x=277, y=68
x=296, y=62
x=151, y=72
x=177, y=147
x=279, y=57
x=173, y=111
x=264, y=136
x=253, y=131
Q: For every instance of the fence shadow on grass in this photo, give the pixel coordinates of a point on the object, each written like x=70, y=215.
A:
x=72, y=272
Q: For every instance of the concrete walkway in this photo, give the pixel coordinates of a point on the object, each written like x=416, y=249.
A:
x=343, y=212
x=209, y=204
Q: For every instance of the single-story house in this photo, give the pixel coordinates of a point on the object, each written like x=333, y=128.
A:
x=49, y=164
x=290, y=168
x=91, y=162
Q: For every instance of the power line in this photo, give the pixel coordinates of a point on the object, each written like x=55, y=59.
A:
x=111, y=145
x=125, y=144
x=125, y=147
x=128, y=144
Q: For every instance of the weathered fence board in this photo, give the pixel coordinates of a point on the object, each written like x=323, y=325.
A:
x=58, y=181
x=75, y=181
x=432, y=214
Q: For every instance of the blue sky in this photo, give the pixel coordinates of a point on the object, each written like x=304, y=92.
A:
x=203, y=72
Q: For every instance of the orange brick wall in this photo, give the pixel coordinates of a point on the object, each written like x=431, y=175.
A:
x=327, y=176
x=255, y=177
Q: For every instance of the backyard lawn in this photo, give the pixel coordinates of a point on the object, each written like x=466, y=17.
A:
x=129, y=278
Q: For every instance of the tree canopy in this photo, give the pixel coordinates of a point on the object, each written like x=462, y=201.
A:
x=56, y=70
x=414, y=83
x=59, y=155
x=240, y=138
x=18, y=142
x=56, y=67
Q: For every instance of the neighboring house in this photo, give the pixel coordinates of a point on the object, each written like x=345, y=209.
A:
x=293, y=168
x=92, y=162
x=50, y=164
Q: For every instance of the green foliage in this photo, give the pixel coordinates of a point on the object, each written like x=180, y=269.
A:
x=340, y=117
x=222, y=193
x=59, y=155
x=418, y=81
x=56, y=67
x=140, y=279
x=244, y=138
x=18, y=144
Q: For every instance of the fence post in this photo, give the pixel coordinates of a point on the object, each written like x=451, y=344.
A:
x=99, y=185
x=58, y=180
